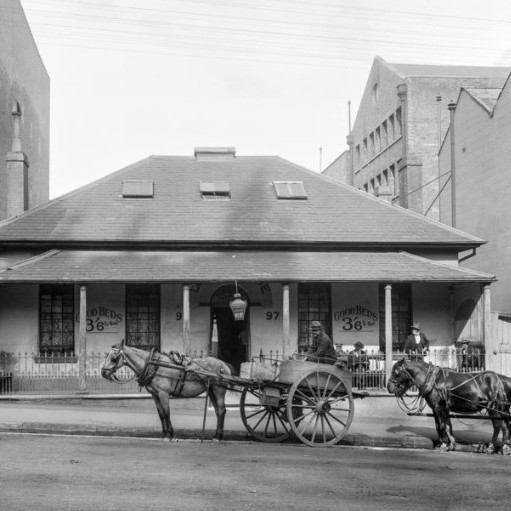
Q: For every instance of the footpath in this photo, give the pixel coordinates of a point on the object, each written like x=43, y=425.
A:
x=378, y=420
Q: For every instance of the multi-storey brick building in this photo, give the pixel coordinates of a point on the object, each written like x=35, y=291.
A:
x=24, y=115
x=479, y=154
x=399, y=127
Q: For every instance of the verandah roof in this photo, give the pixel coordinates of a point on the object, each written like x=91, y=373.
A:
x=186, y=266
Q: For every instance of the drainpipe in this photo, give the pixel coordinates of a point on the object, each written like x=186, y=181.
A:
x=452, y=109
x=351, y=178
x=388, y=332
x=349, y=141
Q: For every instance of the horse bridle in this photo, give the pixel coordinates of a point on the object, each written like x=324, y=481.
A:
x=113, y=376
x=422, y=387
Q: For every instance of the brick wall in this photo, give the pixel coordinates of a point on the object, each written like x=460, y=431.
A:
x=23, y=79
x=483, y=182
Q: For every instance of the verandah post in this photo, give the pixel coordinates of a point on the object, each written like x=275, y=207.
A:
x=186, y=319
x=388, y=331
x=286, y=341
x=82, y=340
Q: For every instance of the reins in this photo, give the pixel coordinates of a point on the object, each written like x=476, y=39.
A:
x=418, y=404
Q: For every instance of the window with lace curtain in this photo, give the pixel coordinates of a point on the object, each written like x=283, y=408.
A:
x=313, y=304
x=143, y=316
x=56, y=319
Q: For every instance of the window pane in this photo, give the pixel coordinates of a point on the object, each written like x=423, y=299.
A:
x=143, y=316
x=56, y=318
x=313, y=304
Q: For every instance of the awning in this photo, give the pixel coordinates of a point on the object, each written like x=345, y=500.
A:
x=256, y=266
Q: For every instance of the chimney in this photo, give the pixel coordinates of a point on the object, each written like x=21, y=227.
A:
x=214, y=153
x=17, y=170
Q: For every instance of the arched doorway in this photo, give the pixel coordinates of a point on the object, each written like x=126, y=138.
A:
x=233, y=336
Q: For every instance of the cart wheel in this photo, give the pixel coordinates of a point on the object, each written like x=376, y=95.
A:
x=264, y=422
x=321, y=406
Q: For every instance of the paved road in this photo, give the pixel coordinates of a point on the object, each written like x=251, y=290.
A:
x=39, y=472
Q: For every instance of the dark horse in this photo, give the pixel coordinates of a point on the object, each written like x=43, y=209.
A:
x=201, y=374
x=446, y=390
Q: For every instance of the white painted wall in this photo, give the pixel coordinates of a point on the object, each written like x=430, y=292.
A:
x=19, y=318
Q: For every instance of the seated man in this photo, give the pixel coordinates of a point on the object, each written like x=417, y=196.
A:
x=358, y=360
x=322, y=348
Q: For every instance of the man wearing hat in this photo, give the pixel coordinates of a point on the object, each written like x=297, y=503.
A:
x=358, y=358
x=322, y=348
x=416, y=343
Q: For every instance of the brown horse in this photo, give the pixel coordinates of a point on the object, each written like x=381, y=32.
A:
x=446, y=390
x=200, y=375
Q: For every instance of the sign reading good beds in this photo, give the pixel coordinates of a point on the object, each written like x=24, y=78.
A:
x=102, y=319
x=357, y=318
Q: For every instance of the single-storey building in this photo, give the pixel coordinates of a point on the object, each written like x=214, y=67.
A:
x=155, y=252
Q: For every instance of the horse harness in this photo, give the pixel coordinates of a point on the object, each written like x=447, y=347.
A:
x=151, y=368
x=432, y=373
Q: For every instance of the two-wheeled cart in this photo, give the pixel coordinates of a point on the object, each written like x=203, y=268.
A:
x=313, y=401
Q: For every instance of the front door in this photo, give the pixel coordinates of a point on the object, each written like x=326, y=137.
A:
x=232, y=335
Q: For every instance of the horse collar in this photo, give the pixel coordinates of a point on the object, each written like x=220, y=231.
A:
x=147, y=374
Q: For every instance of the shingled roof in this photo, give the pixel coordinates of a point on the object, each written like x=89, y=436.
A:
x=177, y=214
x=266, y=266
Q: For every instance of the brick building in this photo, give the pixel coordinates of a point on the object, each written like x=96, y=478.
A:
x=481, y=205
x=400, y=123
x=24, y=115
x=154, y=252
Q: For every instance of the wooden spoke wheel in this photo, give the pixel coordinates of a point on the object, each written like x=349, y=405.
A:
x=321, y=405
x=266, y=423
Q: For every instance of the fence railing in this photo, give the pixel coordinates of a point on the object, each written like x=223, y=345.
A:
x=369, y=368
x=58, y=374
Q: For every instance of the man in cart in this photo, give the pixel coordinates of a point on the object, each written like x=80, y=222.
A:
x=322, y=348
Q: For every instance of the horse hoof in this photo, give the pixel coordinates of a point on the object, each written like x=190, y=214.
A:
x=505, y=451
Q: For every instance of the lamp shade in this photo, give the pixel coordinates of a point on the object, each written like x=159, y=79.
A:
x=238, y=307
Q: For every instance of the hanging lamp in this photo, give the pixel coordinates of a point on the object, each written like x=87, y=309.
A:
x=238, y=305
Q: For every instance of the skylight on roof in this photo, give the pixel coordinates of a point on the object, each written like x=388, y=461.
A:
x=137, y=188
x=218, y=190
x=290, y=189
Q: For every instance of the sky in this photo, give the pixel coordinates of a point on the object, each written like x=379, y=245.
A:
x=134, y=78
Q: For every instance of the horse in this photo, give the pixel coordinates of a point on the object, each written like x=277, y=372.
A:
x=186, y=381
x=446, y=390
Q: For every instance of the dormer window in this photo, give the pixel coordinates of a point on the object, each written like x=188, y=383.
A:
x=137, y=188
x=290, y=190
x=218, y=190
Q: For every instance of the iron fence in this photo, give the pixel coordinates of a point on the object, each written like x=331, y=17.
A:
x=369, y=368
x=58, y=373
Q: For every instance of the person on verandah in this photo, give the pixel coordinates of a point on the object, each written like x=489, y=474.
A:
x=416, y=344
x=358, y=360
x=322, y=348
